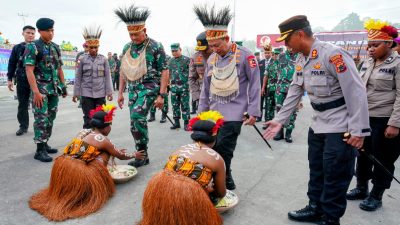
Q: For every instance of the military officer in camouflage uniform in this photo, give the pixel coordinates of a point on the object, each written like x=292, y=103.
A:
x=113, y=66
x=269, y=85
x=42, y=61
x=285, y=76
x=165, y=108
x=179, y=81
x=198, y=63
x=144, y=69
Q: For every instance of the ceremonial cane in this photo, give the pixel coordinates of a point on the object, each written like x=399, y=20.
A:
x=373, y=159
x=258, y=131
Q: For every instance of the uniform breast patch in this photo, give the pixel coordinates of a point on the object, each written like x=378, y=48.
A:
x=317, y=66
x=298, y=67
x=252, y=61
x=337, y=61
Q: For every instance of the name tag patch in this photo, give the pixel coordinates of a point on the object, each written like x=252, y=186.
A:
x=391, y=71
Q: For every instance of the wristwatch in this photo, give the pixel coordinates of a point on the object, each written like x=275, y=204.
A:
x=164, y=95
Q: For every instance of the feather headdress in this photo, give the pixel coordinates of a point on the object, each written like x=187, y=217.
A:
x=92, y=35
x=213, y=116
x=108, y=109
x=214, y=21
x=380, y=30
x=134, y=17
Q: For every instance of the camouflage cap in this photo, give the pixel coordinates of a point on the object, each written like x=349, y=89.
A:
x=277, y=50
x=175, y=46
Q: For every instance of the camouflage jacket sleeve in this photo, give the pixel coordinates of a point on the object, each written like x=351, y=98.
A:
x=161, y=59
x=30, y=54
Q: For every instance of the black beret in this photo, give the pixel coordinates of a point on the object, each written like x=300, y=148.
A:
x=44, y=23
x=292, y=24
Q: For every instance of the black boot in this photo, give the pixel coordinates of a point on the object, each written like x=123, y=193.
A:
x=327, y=221
x=288, y=136
x=140, y=162
x=176, y=125
x=186, y=125
x=21, y=131
x=50, y=149
x=163, y=118
x=279, y=135
x=311, y=213
x=41, y=153
x=374, y=200
x=358, y=193
x=152, y=117
x=194, y=107
x=229, y=183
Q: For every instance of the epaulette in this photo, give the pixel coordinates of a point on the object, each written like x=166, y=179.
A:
x=390, y=59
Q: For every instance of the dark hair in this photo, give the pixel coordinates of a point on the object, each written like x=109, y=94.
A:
x=394, y=44
x=28, y=27
x=97, y=120
x=307, y=30
x=202, y=131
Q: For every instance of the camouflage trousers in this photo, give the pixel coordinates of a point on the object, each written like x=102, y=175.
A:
x=279, y=99
x=180, y=102
x=164, y=109
x=270, y=106
x=44, y=118
x=140, y=102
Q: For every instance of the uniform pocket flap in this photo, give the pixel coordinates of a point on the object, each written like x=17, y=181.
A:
x=319, y=81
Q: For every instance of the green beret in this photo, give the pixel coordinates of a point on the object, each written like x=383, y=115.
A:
x=292, y=24
x=175, y=46
x=277, y=50
x=240, y=43
x=44, y=24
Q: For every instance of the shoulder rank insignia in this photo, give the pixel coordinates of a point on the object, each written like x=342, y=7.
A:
x=340, y=65
x=314, y=54
x=252, y=61
x=317, y=66
x=389, y=59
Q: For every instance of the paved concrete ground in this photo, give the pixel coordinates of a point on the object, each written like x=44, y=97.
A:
x=269, y=184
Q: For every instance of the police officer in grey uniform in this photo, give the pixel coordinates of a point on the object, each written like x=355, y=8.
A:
x=381, y=76
x=338, y=97
x=93, y=77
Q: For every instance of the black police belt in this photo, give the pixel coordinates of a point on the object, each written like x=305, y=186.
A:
x=320, y=107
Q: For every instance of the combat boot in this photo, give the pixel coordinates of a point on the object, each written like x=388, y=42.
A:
x=327, y=221
x=373, y=201
x=41, y=153
x=279, y=135
x=358, y=193
x=152, y=117
x=288, y=136
x=186, y=125
x=50, y=149
x=311, y=213
x=176, y=125
x=163, y=118
x=140, y=162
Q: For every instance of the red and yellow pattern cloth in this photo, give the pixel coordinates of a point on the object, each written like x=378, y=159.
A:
x=78, y=149
x=190, y=168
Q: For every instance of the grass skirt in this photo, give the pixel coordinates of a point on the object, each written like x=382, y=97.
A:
x=76, y=189
x=173, y=199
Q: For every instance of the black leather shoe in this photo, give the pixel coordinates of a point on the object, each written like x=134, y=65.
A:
x=50, y=149
x=139, y=162
x=258, y=119
x=229, y=183
x=279, y=135
x=264, y=127
x=21, y=132
x=329, y=222
x=41, y=153
x=370, y=204
x=358, y=193
x=310, y=213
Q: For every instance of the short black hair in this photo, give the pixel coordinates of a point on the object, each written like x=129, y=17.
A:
x=307, y=30
x=28, y=27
